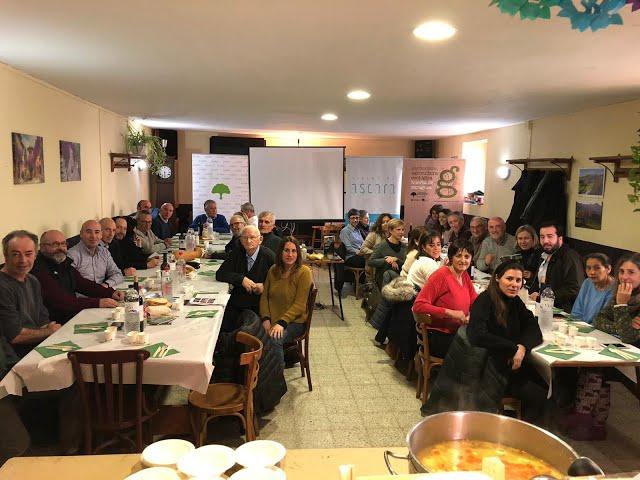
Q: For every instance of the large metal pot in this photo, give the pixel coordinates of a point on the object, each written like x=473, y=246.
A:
x=487, y=427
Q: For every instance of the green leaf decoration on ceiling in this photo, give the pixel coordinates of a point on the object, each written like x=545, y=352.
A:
x=582, y=14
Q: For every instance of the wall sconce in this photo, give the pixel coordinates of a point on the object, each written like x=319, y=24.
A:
x=503, y=172
x=141, y=164
x=164, y=142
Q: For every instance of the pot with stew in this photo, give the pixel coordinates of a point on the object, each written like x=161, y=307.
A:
x=458, y=441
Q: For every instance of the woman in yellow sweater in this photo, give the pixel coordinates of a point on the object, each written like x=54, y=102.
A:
x=283, y=303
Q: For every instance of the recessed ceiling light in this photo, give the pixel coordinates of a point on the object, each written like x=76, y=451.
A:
x=434, y=31
x=358, y=95
x=329, y=117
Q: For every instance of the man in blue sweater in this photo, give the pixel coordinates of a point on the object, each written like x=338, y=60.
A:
x=220, y=224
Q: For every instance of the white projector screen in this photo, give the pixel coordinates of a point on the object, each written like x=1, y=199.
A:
x=297, y=183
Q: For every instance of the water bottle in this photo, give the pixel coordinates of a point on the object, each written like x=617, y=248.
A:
x=545, y=319
x=209, y=229
x=166, y=282
x=131, y=311
x=303, y=251
x=181, y=271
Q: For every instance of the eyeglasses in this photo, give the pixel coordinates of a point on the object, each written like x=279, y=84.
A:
x=55, y=244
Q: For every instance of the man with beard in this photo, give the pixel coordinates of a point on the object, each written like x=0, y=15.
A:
x=561, y=268
x=131, y=256
x=498, y=244
x=60, y=281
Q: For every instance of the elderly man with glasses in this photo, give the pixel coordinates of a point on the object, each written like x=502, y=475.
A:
x=60, y=281
x=245, y=270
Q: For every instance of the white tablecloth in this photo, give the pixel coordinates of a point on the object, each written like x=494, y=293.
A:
x=194, y=338
x=586, y=358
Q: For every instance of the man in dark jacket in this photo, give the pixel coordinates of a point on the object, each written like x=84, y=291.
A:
x=131, y=256
x=245, y=269
x=561, y=268
x=60, y=281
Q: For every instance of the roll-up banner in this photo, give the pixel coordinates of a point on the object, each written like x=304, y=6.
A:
x=431, y=181
x=223, y=178
x=373, y=184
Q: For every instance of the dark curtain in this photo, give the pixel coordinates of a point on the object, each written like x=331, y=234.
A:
x=539, y=197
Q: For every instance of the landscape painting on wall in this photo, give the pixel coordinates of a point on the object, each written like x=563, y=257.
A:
x=69, y=161
x=589, y=215
x=591, y=182
x=28, y=158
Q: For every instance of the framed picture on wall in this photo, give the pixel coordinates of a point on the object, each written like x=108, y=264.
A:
x=28, y=158
x=589, y=214
x=591, y=182
x=69, y=161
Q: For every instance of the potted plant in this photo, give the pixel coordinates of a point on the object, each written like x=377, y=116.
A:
x=137, y=142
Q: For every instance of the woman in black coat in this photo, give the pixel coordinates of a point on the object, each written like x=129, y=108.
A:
x=500, y=322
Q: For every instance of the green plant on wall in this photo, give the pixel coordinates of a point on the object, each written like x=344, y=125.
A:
x=137, y=142
x=634, y=176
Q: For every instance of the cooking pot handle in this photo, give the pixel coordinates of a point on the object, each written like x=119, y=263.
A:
x=389, y=453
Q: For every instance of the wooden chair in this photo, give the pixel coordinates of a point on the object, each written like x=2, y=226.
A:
x=229, y=399
x=357, y=275
x=301, y=343
x=107, y=406
x=423, y=359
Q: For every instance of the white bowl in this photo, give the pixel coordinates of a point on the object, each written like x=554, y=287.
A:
x=207, y=460
x=264, y=473
x=165, y=453
x=155, y=473
x=260, y=453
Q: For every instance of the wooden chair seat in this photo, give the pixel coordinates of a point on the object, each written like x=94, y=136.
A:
x=357, y=275
x=220, y=399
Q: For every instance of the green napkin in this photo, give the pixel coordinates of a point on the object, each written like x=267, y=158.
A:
x=212, y=261
x=90, y=327
x=128, y=279
x=207, y=273
x=553, y=350
x=202, y=314
x=57, y=348
x=155, y=350
x=586, y=329
x=619, y=353
x=206, y=293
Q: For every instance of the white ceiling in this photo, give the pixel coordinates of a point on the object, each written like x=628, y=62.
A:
x=269, y=65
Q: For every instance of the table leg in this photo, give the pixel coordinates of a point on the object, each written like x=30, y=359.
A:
x=331, y=265
x=333, y=302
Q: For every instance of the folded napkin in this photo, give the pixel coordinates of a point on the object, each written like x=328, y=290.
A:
x=128, y=279
x=553, y=350
x=90, y=327
x=160, y=350
x=207, y=273
x=619, y=353
x=203, y=314
x=57, y=348
x=586, y=329
x=206, y=293
x=212, y=261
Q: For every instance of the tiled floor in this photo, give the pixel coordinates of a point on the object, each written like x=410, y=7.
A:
x=359, y=399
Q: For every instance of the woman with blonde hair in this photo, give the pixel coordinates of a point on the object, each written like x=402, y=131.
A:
x=390, y=254
x=527, y=245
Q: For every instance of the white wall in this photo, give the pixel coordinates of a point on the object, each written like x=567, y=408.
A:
x=33, y=107
x=603, y=131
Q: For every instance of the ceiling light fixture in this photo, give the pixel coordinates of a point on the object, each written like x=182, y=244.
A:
x=358, y=95
x=329, y=117
x=434, y=31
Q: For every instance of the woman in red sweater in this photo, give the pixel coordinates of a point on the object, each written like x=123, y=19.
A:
x=447, y=297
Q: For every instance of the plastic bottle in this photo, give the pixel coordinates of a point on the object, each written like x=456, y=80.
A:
x=181, y=271
x=208, y=229
x=545, y=319
x=131, y=311
x=303, y=251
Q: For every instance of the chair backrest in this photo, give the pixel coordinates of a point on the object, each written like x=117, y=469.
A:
x=102, y=399
x=311, y=303
x=423, y=320
x=250, y=359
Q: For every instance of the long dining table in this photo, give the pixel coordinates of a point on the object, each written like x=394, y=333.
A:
x=193, y=338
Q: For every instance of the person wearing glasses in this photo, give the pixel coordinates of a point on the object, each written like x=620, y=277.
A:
x=245, y=270
x=60, y=281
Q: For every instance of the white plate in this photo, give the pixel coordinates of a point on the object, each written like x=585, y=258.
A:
x=268, y=473
x=207, y=460
x=165, y=453
x=155, y=473
x=260, y=453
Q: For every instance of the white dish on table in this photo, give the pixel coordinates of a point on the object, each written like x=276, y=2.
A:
x=166, y=453
x=155, y=473
x=263, y=473
x=260, y=453
x=207, y=460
